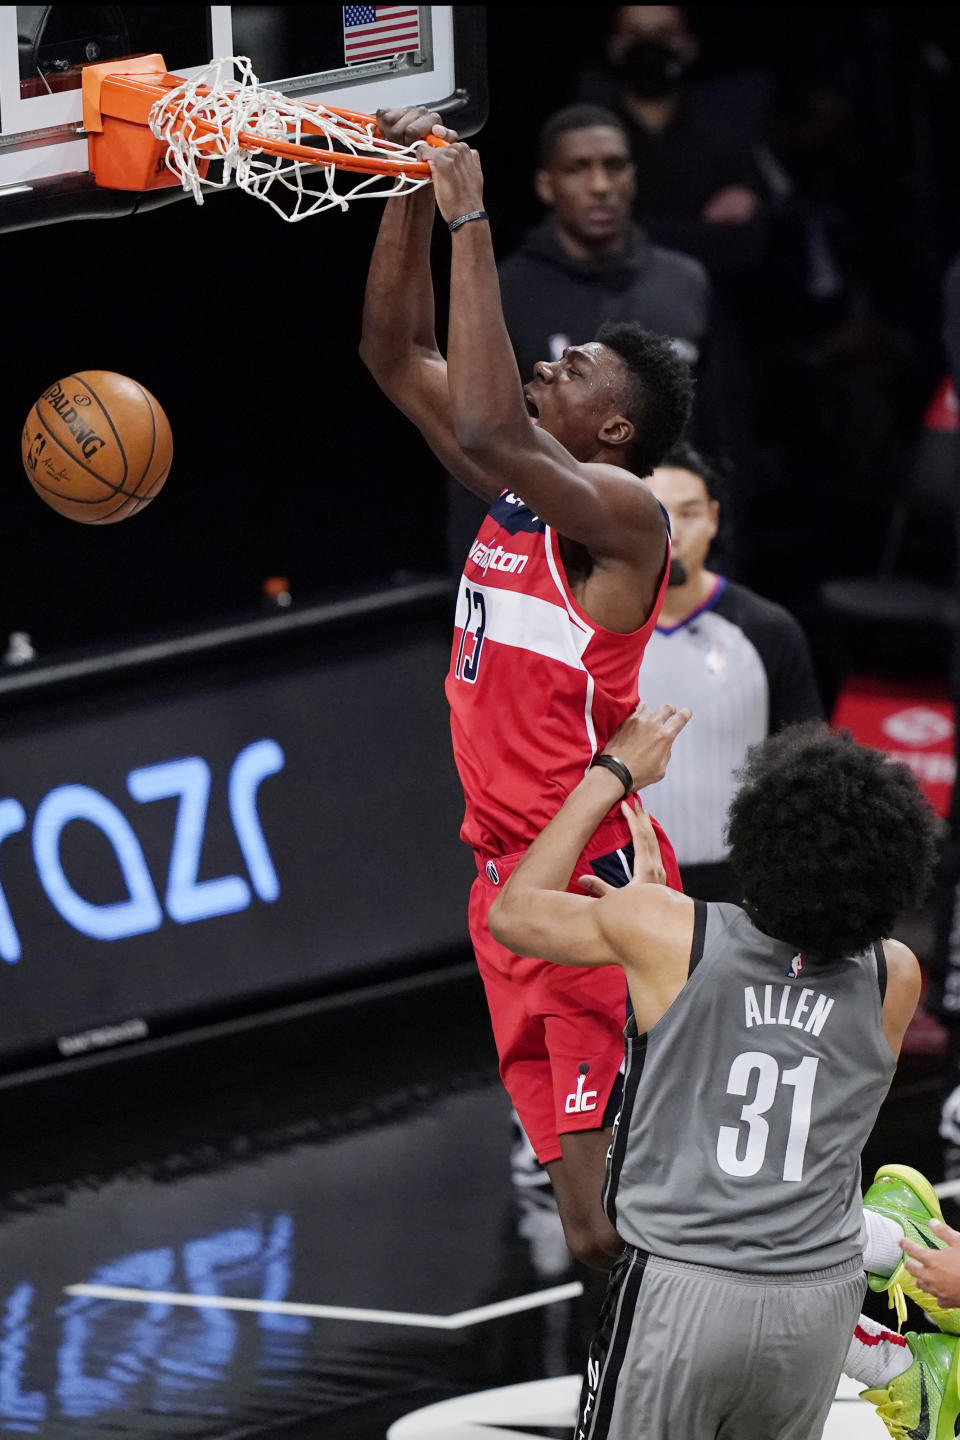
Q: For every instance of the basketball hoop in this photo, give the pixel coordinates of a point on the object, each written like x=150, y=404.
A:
x=148, y=129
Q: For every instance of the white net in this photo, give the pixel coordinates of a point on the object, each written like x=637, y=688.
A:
x=217, y=117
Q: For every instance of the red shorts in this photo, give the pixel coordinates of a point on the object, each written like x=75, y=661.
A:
x=558, y=1029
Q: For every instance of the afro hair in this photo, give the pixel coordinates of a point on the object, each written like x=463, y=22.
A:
x=829, y=839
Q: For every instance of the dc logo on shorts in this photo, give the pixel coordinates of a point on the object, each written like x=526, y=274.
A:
x=492, y=873
x=580, y=1100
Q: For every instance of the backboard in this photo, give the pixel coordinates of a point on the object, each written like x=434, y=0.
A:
x=358, y=57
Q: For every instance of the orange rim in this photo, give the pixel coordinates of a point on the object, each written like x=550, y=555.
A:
x=134, y=94
x=307, y=154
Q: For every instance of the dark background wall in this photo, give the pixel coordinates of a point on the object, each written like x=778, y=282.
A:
x=287, y=459
x=224, y=819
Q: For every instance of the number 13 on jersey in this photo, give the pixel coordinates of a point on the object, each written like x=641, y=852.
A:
x=731, y=1140
x=471, y=636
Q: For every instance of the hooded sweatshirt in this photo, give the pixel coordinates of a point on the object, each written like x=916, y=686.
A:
x=551, y=300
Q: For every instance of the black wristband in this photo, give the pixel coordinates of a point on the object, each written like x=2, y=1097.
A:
x=616, y=767
x=463, y=219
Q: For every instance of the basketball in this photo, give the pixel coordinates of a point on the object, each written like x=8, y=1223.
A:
x=96, y=447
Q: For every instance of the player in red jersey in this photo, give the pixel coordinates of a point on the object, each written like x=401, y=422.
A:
x=559, y=596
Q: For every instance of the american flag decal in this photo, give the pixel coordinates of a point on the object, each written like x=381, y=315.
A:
x=371, y=32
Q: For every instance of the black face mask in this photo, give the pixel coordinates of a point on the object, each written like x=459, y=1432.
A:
x=651, y=69
x=678, y=572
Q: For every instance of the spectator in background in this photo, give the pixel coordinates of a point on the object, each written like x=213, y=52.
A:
x=741, y=663
x=697, y=187
x=698, y=190
x=587, y=262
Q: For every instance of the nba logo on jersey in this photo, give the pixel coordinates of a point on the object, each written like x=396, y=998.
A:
x=716, y=662
x=492, y=873
x=796, y=965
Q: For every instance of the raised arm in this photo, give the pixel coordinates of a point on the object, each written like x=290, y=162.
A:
x=399, y=344
x=600, y=505
x=644, y=928
x=398, y=309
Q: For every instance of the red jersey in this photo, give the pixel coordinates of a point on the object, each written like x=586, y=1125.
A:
x=536, y=688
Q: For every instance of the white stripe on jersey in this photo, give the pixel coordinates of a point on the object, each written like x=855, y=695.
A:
x=529, y=623
x=588, y=721
x=578, y=620
x=581, y=624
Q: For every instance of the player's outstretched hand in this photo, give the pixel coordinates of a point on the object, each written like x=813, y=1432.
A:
x=647, y=860
x=408, y=124
x=644, y=740
x=938, y=1271
x=457, y=179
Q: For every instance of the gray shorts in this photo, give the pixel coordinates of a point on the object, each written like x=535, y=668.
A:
x=686, y=1352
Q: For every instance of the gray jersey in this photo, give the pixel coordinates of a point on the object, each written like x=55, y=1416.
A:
x=746, y=1106
x=743, y=666
x=712, y=666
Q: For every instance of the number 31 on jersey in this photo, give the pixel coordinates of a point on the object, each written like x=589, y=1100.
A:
x=740, y=1153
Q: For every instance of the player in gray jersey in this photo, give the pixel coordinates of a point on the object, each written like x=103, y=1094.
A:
x=763, y=1040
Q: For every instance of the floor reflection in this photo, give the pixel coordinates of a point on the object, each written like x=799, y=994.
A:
x=382, y=1176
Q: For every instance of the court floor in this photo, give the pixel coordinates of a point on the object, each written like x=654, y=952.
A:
x=321, y=1235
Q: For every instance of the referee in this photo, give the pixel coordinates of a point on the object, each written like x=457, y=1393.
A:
x=742, y=665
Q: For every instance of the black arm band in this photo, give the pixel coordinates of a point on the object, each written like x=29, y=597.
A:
x=463, y=219
x=617, y=767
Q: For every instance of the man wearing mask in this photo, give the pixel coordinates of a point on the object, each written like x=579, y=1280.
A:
x=697, y=190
